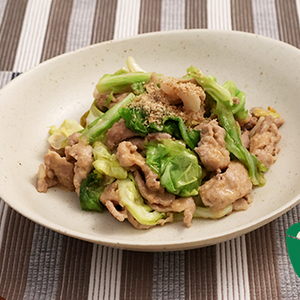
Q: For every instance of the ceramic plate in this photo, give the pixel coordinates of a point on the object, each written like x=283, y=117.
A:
x=267, y=70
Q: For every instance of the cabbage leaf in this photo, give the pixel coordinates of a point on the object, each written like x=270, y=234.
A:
x=106, y=163
x=176, y=165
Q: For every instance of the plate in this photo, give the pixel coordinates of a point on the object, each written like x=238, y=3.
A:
x=266, y=69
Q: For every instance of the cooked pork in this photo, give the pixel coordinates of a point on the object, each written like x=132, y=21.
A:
x=187, y=205
x=227, y=187
x=118, y=133
x=57, y=170
x=82, y=156
x=129, y=157
x=160, y=196
x=111, y=199
x=212, y=148
x=264, y=138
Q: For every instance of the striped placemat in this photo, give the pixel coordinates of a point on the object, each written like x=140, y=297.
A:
x=37, y=263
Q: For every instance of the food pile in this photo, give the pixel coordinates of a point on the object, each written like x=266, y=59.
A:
x=153, y=149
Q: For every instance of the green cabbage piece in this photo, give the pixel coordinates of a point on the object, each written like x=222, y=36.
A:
x=58, y=137
x=136, y=119
x=93, y=114
x=133, y=201
x=106, y=163
x=177, y=166
x=90, y=191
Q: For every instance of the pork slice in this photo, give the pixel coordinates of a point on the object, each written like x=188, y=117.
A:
x=57, y=170
x=243, y=203
x=245, y=138
x=83, y=154
x=129, y=158
x=116, y=99
x=44, y=182
x=73, y=138
x=160, y=196
x=101, y=99
x=152, y=85
x=279, y=122
x=212, y=147
x=187, y=205
x=137, y=142
x=158, y=136
x=225, y=188
x=111, y=199
x=264, y=140
x=240, y=204
x=251, y=122
x=118, y=133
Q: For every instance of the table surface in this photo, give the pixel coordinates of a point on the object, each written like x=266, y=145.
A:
x=37, y=263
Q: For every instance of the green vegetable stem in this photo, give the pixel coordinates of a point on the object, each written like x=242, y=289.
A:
x=98, y=128
x=120, y=80
x=225, y=110
x=133, y=201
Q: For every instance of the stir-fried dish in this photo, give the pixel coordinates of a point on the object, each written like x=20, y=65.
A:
x=154, y=149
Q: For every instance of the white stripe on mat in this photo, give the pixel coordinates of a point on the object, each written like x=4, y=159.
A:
x=127, y=18
x=5, y=78
x=81, y=24
x=32, y=36
x=219, y=14
x=232, y=270
x=172, y=15
x=264, y=18
x=105, y=276
x=2, y=9
x=298, y=9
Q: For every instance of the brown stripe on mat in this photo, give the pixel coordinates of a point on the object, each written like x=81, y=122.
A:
x=75, y=268
x=150, y=16
x=288, y=23
x=195, y=14
x=137, y=275
x=10, y=32
x=18, y=235
x=57, y=29
x=104, y=21
x=263, y=271
x=201, y=273
x=241, y=15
